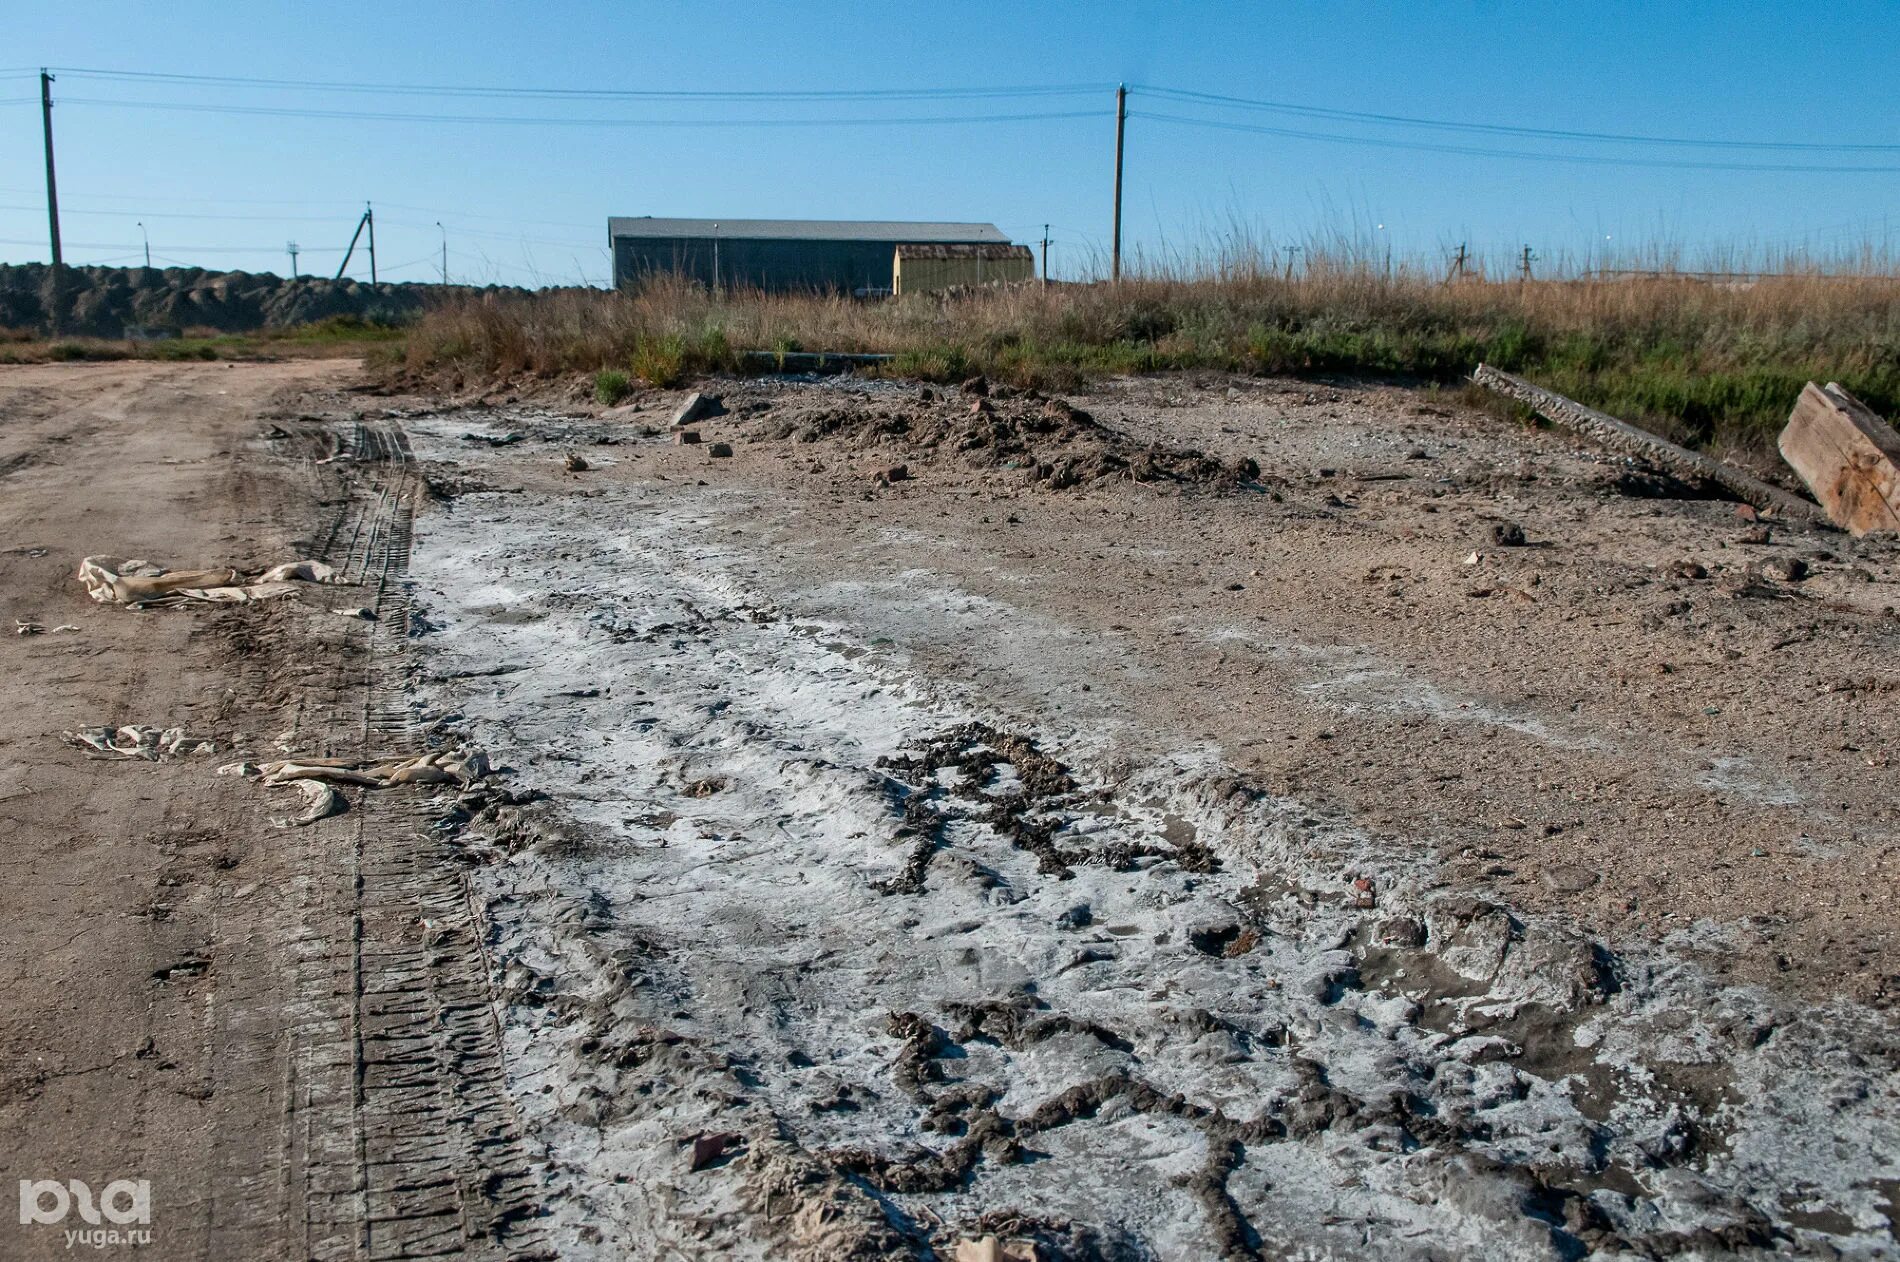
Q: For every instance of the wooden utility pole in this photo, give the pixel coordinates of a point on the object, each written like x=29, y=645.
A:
x=350, y=251
x=445, y=251
x=1121, y=127
x=1045, y=256
x=52, y=193
x=369, y=217
x=1528, y=256
x=1457, y=269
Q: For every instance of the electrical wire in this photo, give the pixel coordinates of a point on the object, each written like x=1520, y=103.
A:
x=1023, y=91
x=1589, y=159
x=273, y=111
x=1505, y=129
x=195, y=249
x=600, y=94
x=66, y=208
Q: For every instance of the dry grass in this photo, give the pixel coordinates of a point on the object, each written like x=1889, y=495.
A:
x=1707, y=362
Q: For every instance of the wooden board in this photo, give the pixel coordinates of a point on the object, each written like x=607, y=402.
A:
x=1848, y=456
x=1623, y=437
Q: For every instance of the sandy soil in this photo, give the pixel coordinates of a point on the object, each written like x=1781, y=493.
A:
x=246, y=1017
x=1199, y=830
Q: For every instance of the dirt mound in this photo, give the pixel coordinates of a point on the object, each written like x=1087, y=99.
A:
x=1054, y=442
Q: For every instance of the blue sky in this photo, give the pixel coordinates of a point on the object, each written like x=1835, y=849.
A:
x=527, y=203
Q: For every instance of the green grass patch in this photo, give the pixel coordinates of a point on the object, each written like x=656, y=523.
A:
x=611, y=386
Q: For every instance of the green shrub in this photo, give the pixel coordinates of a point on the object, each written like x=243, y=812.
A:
x=611, y=386
x=660, y=361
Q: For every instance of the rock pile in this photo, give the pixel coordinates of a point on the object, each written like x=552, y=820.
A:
x=117, y=301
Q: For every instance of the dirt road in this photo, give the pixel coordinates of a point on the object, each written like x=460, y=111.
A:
x=1428, y=839
x=247, y=1018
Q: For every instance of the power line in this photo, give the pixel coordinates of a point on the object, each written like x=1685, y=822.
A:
x=348, y=207
x=196, y=249
x=602, y=94
x=384, y=116
x=1503, y=129
x=65, y=209
x=464, y=214
x=1589, y=159
x=1023, y=91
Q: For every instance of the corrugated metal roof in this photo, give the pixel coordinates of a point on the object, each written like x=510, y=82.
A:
x=806, y=229
x=966, y=250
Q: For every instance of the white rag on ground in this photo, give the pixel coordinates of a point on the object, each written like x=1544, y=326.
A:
x=314, y=776
x=120, y=581
x=137, y=741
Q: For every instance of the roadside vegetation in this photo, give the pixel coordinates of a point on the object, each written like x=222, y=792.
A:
x=333, y=336
x=1707, y=362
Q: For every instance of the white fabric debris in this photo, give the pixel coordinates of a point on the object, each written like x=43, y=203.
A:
x=319, y=802
x=122, y=581
x=315, y=776
x=22, y=627
x=445, y=766
x=137, y=741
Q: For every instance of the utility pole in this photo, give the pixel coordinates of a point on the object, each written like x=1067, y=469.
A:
x=1457, y=270
x=291, y=248
x=147, y=238
x=445, y=251
x=369, y=217
x=1528, y=256
x=52, y=190
x=1045, y=256
x=350, y=252
x=1121, y=127
x=1290, y=250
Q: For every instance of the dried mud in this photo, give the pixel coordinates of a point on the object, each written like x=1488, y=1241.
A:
x=809, y=948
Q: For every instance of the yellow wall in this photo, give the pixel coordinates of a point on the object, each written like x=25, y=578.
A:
x=923, y=276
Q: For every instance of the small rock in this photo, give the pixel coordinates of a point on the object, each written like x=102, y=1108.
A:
x=1755, y=534
x=1507, y=534
x=709, y=1148
x=1686, y=568
x=698, y=407
x=1403, y=931
x=1077, y=917
x=719, y=451
x=1568, y=878
x=1786, y=569
x=896, y=473
x=574, y=462
x=926, y=395
x=982, y=407
x=977, y=385
x=685, y=437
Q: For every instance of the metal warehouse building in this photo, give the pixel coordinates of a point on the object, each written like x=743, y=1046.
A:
x=778, y=254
